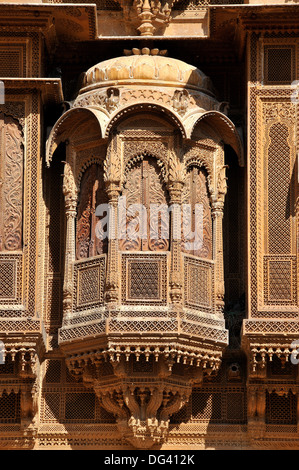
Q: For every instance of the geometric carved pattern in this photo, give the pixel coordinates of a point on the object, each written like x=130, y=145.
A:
x=11, y=61
x=7, y=280
x=10, y=408
x=144, y=278
x=73, y=406
x=53, y=300
x=53, y=371
x=69, y=406
x=278, y=190
x=206, y=406
x=66, y=401
x=198, y=283
x=281, y=409
x=280, y=284
x=79, y=406
x=10, y=278
x=211, y=405
x=279, y=65
x=89, y=278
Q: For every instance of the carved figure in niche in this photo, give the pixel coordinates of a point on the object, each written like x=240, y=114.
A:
x=144, y=217
x=196, y=215
x=180, y=101
x=92, y=194
x=11, y=184
x=112, y=99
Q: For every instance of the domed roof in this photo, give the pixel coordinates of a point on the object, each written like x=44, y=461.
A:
x=154, y=69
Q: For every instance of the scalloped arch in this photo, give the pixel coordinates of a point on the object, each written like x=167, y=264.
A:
x=148, y=107
x=67, y=124
x=226, y=130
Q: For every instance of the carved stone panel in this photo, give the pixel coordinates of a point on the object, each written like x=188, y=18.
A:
x=196, y=213
x=90, y=238
x=11, y=184
x=89, y=279
x=145, y=224
x=10, y=278
x=199, y=281
x=144, y=279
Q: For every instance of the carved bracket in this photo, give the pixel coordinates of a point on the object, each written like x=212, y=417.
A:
x=142, y=394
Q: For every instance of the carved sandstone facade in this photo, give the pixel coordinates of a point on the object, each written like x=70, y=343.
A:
x=120, y=328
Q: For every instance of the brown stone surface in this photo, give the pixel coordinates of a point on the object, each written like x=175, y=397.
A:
x=144, y=111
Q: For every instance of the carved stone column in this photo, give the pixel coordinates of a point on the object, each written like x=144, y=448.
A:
x=112, y=177
x=112, y=281
x=256, y=408
x=217, y=215
x=70, y=195
x=251, y=404
x=261, y=405
x=176, y=183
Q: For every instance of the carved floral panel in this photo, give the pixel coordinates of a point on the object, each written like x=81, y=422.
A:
x=145, y=224
x=11, y=184
x=92, y=194
x=196, y=215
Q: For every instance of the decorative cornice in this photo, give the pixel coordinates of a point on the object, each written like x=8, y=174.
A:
x=50, y=88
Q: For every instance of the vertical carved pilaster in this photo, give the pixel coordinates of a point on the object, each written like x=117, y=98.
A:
x=70, y=195
x=176, y=183
x=261, y=405
x=256, y=411
x=112, y=281
x=112, y=178
x=251, y=403
x=217, y=215
x=297, y=408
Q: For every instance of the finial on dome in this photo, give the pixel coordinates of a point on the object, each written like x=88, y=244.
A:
x=145, y=51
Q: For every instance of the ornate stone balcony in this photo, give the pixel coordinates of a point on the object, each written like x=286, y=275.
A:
x=143, y=315
x=143, y=357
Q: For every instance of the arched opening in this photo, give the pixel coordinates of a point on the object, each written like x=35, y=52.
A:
x=91, y=229
x=197, y=237
x=144, y=218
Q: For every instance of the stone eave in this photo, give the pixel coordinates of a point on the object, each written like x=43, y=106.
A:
x=23, y=333
x=260, y=17
x=46, y=17
x=50, y=88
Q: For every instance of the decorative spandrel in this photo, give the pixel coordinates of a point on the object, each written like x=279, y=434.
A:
x=11, y=184
x=144, y=222
x=196, y=215
x=89, y=241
